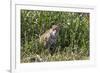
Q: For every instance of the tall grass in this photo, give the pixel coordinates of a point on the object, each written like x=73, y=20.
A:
x=72, y=42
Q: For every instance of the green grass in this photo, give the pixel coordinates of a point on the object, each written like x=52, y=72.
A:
x=45, y=56
x=72, y=42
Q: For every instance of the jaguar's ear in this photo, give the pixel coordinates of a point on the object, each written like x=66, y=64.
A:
x=55, y=27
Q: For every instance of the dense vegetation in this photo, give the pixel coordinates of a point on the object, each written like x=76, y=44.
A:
x=73, y=39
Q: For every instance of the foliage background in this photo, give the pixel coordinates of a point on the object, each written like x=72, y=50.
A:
x=73, y=39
